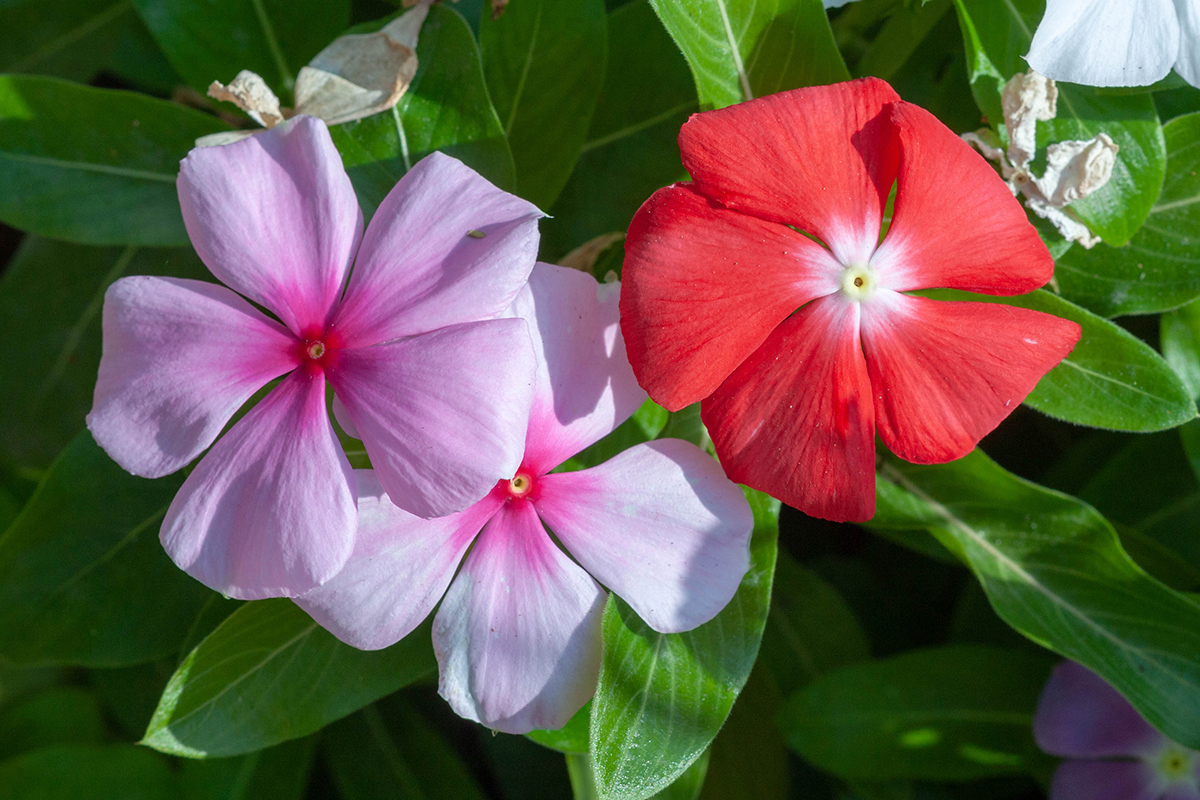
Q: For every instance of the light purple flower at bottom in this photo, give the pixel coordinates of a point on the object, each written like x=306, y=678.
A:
x=517, y=636
x=1112, y=753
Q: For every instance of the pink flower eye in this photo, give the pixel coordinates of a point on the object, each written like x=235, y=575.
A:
x=316, y=350
x=521, y=485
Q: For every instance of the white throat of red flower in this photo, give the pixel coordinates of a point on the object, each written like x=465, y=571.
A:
x=859, y=282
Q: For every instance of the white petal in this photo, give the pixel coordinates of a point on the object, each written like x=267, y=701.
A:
x=1188, y=65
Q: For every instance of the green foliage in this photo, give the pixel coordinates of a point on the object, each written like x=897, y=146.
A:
x=71, y=40
x=56, y=717
x=97, y=772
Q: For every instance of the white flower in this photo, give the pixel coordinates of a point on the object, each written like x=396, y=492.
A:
x=1118, y=42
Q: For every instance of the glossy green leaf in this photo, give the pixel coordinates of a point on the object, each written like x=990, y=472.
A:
x=544, y=62
x=1054, y=569
x=1160, y=268
x=811, y=629
x=95, y=772
x=214, y=40
x=83, y=578
x=688, y=785
x=69, y=39
x=277, y=773
x=742, y=49
x=899, y=38
x=67, y=715
x=630, y=149
x=663, y=697
x=1179, y=335
x=237, y=691
x=749, y=760
x=446, y=108
x=51, y=297
x=950, y=713
x=1112, y=379
x=997, y=34
x=95, y=166
x=388, y=751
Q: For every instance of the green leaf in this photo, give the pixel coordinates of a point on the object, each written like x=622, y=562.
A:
x=997, y=35
x=115, y=772
x=1112, y=379
x=1054, y=570
x=742, y=49
x=570, y=738
x=51, y=296
x=446, y=108
x=663, y=697
x=213, y=40
x=749, y=760
x=544, y=64
x=65, y=715
x=688, y=785
x=899, y=38
x=237, y=691
x=811, y=629
x=388, y=751
x=277, y=773
x=1160, y=268
x=948, y=714
x=83, y=578
x=95, y=166
x=68, y=39
x=630, y=149
x=1179, y=335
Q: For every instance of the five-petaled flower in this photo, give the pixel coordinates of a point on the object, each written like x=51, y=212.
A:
x=1117, y=42
x=427, y=373
x=762, y=289
x=517, y=636
x=1112, y=753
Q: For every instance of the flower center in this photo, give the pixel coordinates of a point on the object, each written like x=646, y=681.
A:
x=520, y=486
x=1176, y=763
x=858, y=282
x=316, y=350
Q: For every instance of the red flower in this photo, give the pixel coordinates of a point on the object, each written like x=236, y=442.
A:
x=761, y=288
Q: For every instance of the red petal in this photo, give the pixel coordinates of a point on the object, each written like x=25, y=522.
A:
x=946, y=373
x=796, y=421
x=822, y=158
x=955, y=224
x=703, y=287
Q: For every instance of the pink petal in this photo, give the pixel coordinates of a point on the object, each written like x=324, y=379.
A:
x=660, y=525
x=703, y=287
x=419, y=267
x=956, y=224
x=269, y=511
x=442, y=415
x=400, y=568
x=1104, y=780
x=585, y=387
x=1080, y=716
x=274, y=217
x=796, y=420
x=821, y=158
x=180, y=357
x=518, y=635
x=946, y=373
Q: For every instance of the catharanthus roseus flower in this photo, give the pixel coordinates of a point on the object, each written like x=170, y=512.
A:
x=1112, y=753
x=424, y=370
x=518, y=633
x=761, y=289
x=1117, y=42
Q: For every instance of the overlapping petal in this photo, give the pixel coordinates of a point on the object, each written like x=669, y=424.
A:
x=274, y=217
x=517, y=637
x=658, y=524
x=1106, y=42
x=1104, y=780
x=445, y=247
x=821, y=158
x=1188, y=64
x=584, y=386
x=400, y=568
x=703, y=287
x=442, y=414
x=269, y=511
x=1080, y=716
x=946, y=373
x=795, y=420
x=180, y=357
x=955, y=224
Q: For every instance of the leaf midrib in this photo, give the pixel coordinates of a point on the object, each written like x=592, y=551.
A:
x=89, y=166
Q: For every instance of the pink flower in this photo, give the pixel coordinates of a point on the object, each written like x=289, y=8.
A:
x=762, y=290
x=518, y=633
x=1112, y=753
x=413, y=348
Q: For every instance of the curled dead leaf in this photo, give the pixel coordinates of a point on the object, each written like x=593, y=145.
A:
x=249, y=92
